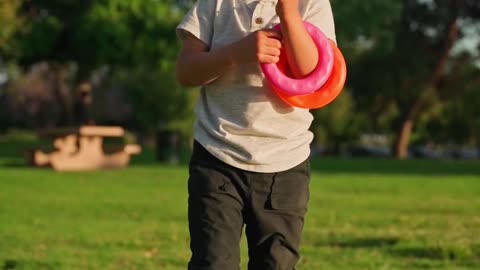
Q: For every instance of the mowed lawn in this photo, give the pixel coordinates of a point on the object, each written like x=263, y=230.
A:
x=363, y=214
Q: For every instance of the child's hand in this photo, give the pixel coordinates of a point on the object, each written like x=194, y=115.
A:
x=286, y=8
x=263, y=46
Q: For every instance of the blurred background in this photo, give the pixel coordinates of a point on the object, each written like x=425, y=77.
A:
x=413, y=92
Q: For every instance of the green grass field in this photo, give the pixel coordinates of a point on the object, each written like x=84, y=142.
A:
x=363, y=214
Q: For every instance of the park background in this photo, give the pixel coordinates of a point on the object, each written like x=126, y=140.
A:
x=395, y=161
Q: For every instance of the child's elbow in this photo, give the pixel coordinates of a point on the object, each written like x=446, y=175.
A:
x=183, y=79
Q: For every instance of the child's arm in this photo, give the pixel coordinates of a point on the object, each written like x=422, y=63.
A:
x=301, y=51
x=196, y=65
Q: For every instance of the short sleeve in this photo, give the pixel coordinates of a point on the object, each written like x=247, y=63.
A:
x=199, y=21
x=319, y=13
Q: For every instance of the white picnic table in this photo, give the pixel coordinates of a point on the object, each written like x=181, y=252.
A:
x=81, y=149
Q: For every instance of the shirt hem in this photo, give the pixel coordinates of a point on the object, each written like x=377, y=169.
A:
x=275, y=168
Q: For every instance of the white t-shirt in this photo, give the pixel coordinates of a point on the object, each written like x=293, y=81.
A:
x=239, y=119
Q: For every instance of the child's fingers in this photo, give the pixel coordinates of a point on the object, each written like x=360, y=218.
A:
x=272, y=42
x=270, y=51
x=268, y=55
x=272, y=34
x=268, y=59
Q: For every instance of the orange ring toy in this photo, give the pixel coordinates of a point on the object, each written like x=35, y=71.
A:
x=324, y=95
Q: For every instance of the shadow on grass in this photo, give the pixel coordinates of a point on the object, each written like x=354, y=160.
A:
x=13, y=163
x=358, y=165
x=13, y=153
x=364, y=242
x=11, y=264
x=432, y=253
x=147, y=157
x=392, y=166
x=463, y=254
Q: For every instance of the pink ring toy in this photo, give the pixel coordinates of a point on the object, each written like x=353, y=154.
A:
x=324, y=96
x=314, y=80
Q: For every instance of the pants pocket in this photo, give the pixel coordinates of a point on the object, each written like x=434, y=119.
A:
x=290, y=189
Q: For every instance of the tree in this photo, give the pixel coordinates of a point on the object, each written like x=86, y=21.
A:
x=9, y=23
x=409, y=68
x=338, y=123
x=122, y=35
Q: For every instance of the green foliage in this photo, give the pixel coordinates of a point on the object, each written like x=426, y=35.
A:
x=9, y=23
x=337, y=123
x=135, y=39
x=126, y=33
x=95, y=33
x=454, y=117
x=360, y=21
x=41, y=41
x=393, y=50
x=158, y=102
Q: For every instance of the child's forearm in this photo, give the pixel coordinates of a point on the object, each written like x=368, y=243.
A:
x=302, y=53
x=201, y=68
x=197, y=66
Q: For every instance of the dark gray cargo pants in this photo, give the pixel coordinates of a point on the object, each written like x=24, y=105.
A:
x=223, y=198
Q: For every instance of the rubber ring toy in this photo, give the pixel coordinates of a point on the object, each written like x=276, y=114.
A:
x=316, y=79
x=325, y=94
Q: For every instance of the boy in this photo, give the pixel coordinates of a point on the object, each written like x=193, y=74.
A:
x=250, y=160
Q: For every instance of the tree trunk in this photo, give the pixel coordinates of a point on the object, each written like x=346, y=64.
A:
x=402, y=141
x=62, y=95
x=82, y=109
